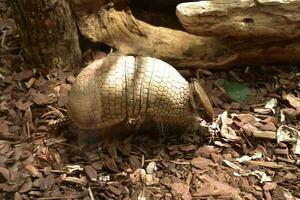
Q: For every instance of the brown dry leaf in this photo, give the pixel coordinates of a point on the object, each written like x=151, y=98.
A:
x=166, y=181
x=4, y=175
x=265, y=134
x=26, y=186
x=41, y=99
x=272, y=119
x=205, y=151
x=246, y=118
x=45, y=183
x=17, y=196
x=244, y=185
x=293, y=100
x=290, y=176
x=111, y=165
x=9, y=137
x=23, y=105
x=25, y=74
x=270, y=186
x=181, y=190
x=135, y=162
x=91, y=172
x=10, y=188
x=249, y=129
x=98, y=165
x=212, y=187
x=25, y=154
x=187, y=147
x=4, y=106
x=5, y=148
x=270, y=126
x=4, y=128
x=290, y=112
x=114, y=190
x=266, y=164
x=281, y=193
x=252, y=131
x=280, y=151
x=201, y=162
x=33, y=170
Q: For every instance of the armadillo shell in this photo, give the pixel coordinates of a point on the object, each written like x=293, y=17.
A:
x=116, y=88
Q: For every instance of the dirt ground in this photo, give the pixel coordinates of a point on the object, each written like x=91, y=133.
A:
x=250, y=151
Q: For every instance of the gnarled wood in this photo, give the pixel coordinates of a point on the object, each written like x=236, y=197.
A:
x=122, y=31
x=242, y=19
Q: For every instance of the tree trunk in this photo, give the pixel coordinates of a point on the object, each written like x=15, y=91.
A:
x=48, y=32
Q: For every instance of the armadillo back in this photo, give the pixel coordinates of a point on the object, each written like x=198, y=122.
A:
x=116, y=88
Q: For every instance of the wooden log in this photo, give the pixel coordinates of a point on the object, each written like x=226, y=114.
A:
x=242, y=19
x=122, y=31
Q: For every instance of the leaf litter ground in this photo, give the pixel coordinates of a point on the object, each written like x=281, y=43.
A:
x=250, y=151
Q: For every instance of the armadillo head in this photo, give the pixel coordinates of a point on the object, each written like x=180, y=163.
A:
x=200, y=101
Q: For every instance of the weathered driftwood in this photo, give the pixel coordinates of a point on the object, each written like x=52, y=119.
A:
x=246, y=18
x=122, y=31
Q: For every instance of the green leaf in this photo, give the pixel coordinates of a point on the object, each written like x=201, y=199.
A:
x=237, y=91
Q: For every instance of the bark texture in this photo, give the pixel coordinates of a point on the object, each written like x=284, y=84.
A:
x=50, y=37
x=242, y=19
x=48, y=31
x=121, y=30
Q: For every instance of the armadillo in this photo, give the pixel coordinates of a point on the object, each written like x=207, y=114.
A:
x=118, y=88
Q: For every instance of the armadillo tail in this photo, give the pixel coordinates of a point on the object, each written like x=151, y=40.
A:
x=55, y=125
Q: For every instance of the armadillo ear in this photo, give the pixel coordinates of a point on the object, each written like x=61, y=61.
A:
x=201, y=97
